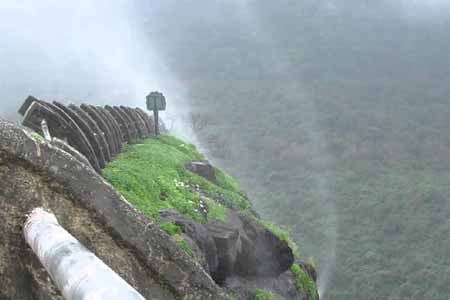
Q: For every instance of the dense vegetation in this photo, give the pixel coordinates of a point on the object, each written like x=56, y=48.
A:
x=151, y=175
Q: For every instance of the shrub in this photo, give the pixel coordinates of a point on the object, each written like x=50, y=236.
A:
x=303, y=282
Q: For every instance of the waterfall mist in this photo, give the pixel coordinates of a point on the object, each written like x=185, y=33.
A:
x=93, y=51
x=333, y=114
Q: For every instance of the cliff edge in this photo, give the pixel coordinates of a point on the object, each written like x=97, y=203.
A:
x=153, y=209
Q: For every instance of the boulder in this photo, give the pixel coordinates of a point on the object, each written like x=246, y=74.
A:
x=240, y=247
x=262, y=253
x=197, y=233
x=227, y=242
x=202, y=168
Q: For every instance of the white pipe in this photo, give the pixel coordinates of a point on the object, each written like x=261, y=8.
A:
x=76, y=271
x=45, y=130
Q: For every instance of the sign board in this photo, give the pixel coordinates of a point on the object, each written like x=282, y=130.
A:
x=156, y=101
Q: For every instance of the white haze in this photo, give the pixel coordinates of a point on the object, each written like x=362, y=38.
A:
x=98, y=52
x=83, y=50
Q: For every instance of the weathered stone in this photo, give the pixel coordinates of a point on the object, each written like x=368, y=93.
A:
x=202, y=168
x=77, y=138
x=37, y=111
x=113, y=125
x=227, y=244
x=129, y=121
x=148, y=122
x=61, y=126
x=36, y=173
x=72, y=151
x=140, y=126
x=199, y=234
x=103, y=125
x=98, y=133
x=88, y=132
x=26, y=104
x=261, y=253
x=283, y=286
x=124, y=129
x=116, y=125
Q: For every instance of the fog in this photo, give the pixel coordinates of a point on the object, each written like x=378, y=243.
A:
x=332, y=114
x=92, y=51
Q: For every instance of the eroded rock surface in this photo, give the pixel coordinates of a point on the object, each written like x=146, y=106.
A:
x=98, y=133
x=35, y=173
x=202, y=168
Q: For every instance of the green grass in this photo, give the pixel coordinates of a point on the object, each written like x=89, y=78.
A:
x=185, y=246
x=217, y=211
x=283, y=235
x=151, y=175
x=303, y=282
x=37, y=136
x=260, y=294
x=171, y=228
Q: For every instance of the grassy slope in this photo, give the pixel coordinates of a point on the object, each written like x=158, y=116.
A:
x=151, y=175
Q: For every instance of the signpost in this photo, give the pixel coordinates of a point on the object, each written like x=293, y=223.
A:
x=156, y=102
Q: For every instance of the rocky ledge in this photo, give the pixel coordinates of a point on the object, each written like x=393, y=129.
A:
x=238, y=258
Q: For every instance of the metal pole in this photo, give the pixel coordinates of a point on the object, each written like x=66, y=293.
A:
x=156, y=117
x=45, y=130
x=76, y=271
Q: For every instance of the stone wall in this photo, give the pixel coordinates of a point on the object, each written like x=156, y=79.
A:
x=96, y=132
x=35, y=172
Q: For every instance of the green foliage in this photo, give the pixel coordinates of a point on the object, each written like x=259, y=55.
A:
x=283, y=235
x=260, y=294
x=226, y=182
x=229, y=198
x=37, y=136
x=217, y=211
x=184, y=246
x=151, y=175
x=303, y=282
x=171, y=228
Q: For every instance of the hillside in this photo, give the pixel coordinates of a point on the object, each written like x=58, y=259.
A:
x=152, y=175
x=152, y=208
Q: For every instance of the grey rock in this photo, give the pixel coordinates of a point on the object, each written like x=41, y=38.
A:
x=202, y=168
x=197, y=233
x=36, y=173
x=72, y=151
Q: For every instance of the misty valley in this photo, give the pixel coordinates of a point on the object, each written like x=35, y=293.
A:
x=332, y=115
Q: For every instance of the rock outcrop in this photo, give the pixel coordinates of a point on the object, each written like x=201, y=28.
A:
x=35, y=173
x=233, y=256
